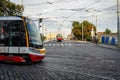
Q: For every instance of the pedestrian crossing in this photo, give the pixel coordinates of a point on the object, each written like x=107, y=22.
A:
x=63, y=44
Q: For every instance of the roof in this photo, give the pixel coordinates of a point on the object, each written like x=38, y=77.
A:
x=10, y=18
x=100, y=33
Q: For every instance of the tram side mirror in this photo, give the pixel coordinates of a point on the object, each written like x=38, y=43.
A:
x=40, y=20
x=40, y=25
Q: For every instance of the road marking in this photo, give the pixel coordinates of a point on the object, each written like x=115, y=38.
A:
x=69, y=44
x=62, y=44
x=58, y=45
x=53, y=44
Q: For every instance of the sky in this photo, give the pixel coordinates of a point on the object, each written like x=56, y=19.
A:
x=58, y=15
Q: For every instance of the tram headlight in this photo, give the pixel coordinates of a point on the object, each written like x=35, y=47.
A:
x=42, y=51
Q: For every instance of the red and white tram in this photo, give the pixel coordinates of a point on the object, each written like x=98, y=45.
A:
x=20, y=40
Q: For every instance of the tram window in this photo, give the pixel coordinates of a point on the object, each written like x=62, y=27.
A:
x=1, y=35
x=12, y=33
x=34, y=36
x=17, y=34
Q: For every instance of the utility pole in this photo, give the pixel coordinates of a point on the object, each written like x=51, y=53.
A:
x=22, y=2
x=96, y=23
x=118, y=25
x=22, y=5
x=43, y=30
x=92, y=31
x=83, y=28
x=82, y=31
x=50, y=35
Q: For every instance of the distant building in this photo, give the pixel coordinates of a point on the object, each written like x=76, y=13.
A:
x=50, y=36
x=100, y=33
x=70, y=36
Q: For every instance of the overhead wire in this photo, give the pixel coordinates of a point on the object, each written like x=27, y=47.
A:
x=110, y=11
x=93, y=3
x=83, y=8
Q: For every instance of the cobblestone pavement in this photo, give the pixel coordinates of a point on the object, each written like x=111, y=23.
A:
x=68, y=61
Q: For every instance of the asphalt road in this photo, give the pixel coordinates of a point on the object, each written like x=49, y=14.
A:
x=68, y=60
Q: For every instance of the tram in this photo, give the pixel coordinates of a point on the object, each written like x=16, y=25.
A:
x=20, y=40
x=59, y=37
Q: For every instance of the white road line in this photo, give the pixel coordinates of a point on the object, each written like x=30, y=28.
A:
x=65, y=44
x=56, y=44
x=53, y=44
x=70, y=44
x=49, y=44
x=61, y=44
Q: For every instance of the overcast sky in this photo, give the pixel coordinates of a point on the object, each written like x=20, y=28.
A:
x=59, y=14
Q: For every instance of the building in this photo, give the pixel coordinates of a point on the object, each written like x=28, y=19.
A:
x=70, y=36
x=50, y=36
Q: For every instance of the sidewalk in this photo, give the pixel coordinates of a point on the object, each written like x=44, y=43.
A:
x=83, y=42
x=103, y=45
x=46, y=41
x=108, y=46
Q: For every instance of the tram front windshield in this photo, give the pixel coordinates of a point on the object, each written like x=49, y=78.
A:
x=33, y=31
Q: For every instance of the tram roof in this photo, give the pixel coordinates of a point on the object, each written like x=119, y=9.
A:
x=10, y=18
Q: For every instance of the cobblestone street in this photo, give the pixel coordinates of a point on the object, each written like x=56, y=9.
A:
x=68, y=61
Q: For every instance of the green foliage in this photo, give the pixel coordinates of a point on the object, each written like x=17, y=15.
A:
x=75, y=24
x=8, y=8
x=87, y=27
x=108, y=31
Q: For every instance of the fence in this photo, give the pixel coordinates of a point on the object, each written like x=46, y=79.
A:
x=109, y=40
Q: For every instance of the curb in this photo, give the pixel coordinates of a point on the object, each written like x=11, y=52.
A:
x=46, y=41
x=109, y=46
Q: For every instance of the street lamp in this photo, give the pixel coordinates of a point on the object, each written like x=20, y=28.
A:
x=22, y=2
x=22, y=5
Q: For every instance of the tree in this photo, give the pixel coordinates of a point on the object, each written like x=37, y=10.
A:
x=87, y=28
x=107, y=31
x=76, y=30
x=8, y=8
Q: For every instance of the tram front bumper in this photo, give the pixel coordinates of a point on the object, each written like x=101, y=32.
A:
x=34, y=57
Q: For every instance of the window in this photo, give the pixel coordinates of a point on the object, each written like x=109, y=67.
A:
x=17, y=34
x=12, y=33
x=34, y=35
